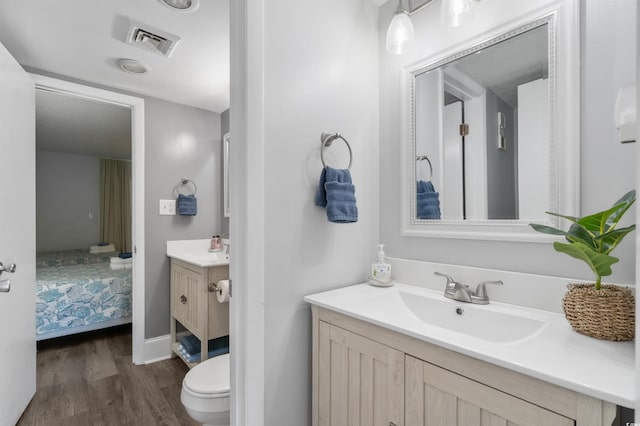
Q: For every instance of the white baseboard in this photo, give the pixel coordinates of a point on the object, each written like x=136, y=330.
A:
x=157, y=349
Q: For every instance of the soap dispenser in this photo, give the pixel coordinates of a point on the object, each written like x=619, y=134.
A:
x=381, y=270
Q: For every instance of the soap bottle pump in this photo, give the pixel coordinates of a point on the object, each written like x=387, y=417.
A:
x=381, y=270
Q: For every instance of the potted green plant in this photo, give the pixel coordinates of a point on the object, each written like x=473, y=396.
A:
x=598, y=310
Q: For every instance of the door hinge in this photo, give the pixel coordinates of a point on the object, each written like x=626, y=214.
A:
x=464, y=129
x=230, y=288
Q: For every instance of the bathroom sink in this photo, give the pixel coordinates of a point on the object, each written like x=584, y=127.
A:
x=202, y=258
x=196, y=252
x=534, y=342
x=487, y=322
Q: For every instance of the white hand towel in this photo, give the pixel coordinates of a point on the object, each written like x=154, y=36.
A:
x=121, y=265
x=102, y=249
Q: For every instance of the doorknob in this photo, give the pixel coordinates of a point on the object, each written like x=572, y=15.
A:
x=5, y=286
x=11, y=268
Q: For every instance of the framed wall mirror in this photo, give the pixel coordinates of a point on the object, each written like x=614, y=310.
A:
x=492, y=143
x=225, y=170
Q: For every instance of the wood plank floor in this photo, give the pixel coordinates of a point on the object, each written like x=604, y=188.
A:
x=89, y=379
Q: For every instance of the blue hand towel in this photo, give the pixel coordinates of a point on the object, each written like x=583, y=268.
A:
x=428, y=200
x=321, y=194
x=125, y=255
x=187, y=205
x=192, y=344
x=336, y=192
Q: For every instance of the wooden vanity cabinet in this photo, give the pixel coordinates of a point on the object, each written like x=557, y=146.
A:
x=194, y=306
x=367, y=375
x=361, y=381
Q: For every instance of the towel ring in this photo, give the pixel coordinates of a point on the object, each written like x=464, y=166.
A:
x=185, y=181
x=424, y=157
x=327, y=139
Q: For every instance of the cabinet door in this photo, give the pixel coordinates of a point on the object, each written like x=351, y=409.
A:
x=361, y=382
x=438, y=397
x=187, y=293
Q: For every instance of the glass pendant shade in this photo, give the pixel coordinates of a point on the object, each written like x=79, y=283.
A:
x=400, y=34
x=456, y=12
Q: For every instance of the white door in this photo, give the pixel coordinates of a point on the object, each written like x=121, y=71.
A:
x=453, y=202
x=17, y=239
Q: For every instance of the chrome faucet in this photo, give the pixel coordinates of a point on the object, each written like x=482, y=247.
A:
x=454, y=290
x=461, y=292
x=481, y=297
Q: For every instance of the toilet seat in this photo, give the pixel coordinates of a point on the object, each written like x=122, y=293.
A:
x=205, y=391
x=210, y=378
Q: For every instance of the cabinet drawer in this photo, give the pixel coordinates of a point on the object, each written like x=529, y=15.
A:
x=435, y=396
x=189, y=298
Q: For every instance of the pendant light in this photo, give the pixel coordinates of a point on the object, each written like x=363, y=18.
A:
x=400, y=33
x=456, y=12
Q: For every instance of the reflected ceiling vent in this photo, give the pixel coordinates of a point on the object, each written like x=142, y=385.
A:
x=152, y=39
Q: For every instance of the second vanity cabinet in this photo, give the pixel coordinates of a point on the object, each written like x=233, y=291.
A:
x=368, y=375
x=194, y=304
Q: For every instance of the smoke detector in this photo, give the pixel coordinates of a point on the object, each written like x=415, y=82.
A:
x=151, y=39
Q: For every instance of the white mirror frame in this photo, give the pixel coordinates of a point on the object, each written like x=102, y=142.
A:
x=565, y=131
x=225, y=174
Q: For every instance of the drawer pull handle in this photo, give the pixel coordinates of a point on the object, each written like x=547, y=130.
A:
x=183, y=299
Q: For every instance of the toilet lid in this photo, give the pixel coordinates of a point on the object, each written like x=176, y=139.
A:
x=209, y=377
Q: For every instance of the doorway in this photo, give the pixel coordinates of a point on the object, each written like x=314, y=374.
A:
x=136, y=106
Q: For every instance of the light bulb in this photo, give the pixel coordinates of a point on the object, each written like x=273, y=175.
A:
x=456, y=12
x=400, y=34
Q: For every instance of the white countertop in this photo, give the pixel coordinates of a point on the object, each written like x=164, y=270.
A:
x=196, y=252
x=555, y=354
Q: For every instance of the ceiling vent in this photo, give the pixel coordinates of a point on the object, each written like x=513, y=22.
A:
x=152, y=39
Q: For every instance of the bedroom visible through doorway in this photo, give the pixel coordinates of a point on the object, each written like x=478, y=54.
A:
x=83, y=215
x=80, y=130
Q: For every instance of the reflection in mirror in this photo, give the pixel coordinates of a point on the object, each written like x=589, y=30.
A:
x=482, y=130
x=225, y=170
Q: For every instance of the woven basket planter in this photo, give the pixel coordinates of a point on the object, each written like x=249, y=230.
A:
x=608, y=313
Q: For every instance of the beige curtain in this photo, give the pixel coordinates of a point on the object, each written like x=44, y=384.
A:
x=115, y=203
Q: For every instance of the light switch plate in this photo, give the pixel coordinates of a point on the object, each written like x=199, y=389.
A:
x=167, y=207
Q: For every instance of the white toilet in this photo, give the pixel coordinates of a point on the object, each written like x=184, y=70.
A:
x=205, y=391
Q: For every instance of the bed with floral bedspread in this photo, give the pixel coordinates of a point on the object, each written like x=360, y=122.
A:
x=71, y=258
x=78, y=293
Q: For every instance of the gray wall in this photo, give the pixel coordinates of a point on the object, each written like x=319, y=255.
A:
x=180, y=141
x=608, y=56
x=323, y=79
x=67, y=191
x=501, y=177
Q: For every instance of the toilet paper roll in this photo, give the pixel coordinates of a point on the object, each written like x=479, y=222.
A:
x=222, y=293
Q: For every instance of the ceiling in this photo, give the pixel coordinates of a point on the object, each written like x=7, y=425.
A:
x=501, y=68
x=83, y=39
x=75, y=125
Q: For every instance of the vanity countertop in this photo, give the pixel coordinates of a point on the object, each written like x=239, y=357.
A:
x=553, y=353
x=196, y=252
